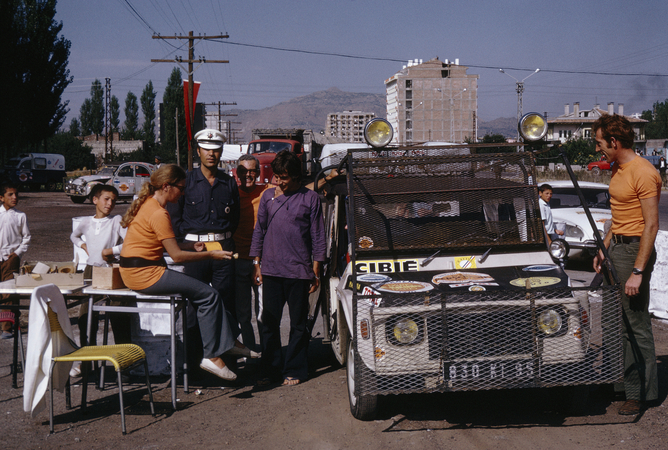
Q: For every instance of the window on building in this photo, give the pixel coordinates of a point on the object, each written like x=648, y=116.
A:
x=409, y=136
x=409, y=105
x=445, y=73
x=587, y=132
x=409, y=115
x=409, y=84
x=409, y=95
x=570, y=133
x=409, y=124
x=561, y=133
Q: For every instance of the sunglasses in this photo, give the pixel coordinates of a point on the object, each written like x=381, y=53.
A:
x=179, y=187
x=242, y=172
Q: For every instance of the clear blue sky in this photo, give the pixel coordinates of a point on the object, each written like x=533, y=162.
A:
x=576, y=44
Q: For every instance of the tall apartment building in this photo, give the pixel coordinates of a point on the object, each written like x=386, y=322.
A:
x=432, y=101
x=347, y=126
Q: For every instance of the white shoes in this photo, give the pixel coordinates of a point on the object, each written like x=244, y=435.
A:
x=75, y=371
x=224, y=373
x=247, y=352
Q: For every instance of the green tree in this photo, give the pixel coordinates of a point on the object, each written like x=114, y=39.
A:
x=148, y=109
x=494, y=139
x=114, y=111
x=75, y=127
x=77, y=155
x=581, y=151
x=34, y=73
x=91, y=113
x=172, y=100
x=131, y=117
x=657, y=128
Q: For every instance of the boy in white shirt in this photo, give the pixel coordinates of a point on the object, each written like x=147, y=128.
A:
x=545, y=193
x=14, y=241
x=103, y=241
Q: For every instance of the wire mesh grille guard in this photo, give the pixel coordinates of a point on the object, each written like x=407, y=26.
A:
x=482, y=340
x=433, y=200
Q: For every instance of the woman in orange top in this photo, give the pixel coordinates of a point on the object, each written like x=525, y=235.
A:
x=144, y=270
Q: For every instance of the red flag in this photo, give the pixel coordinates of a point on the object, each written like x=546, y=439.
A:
x=185, y=100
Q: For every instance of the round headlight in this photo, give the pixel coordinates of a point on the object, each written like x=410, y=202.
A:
x=559, y=248
x=405, y=331
x=378, y=132
x=549, y=322
x=532, y=126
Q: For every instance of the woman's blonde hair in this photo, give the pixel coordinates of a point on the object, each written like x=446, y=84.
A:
x=166, y=174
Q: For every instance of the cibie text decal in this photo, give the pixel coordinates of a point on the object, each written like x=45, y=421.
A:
x=387, y=266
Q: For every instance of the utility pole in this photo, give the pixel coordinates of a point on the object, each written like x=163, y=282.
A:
x=220, y=114
x=107, y=119
x=178, y=156
x=191, y=59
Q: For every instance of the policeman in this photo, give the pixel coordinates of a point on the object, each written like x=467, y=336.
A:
x=209, y=212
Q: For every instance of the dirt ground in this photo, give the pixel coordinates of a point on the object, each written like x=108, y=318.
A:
x=314, y=414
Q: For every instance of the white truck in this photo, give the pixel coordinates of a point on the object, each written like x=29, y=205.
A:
x=439, y=279
x=32, y=170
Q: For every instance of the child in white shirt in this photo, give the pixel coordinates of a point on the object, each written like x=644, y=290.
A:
x=103, y=241
x=14, y=241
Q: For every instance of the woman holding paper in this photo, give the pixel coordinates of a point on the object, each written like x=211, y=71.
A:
x=144, y=270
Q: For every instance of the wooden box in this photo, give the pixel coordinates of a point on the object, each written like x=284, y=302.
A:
x=107, y=277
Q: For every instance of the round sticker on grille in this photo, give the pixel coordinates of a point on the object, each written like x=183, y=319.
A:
x=365, y=242
x=540, y=268
x=404, y=287
x=535, y=281
x=476, y=288
x=373, y=278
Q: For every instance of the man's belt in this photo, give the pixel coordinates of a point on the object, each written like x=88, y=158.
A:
x=209, y=237
x=621, y=239
x=132, y=262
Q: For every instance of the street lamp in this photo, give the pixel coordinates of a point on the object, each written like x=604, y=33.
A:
x=452, y=115
x=520, y=90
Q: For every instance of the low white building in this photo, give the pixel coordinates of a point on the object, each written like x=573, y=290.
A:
x=577, y=123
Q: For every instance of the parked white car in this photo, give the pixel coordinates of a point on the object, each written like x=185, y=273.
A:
x=127, y=177
x=568, y=213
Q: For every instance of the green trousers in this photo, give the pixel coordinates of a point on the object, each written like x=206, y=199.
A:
x=640, y=371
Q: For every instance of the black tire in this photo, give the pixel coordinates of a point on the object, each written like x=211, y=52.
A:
x=78, y=200
x=362, y=407
x=571, y=399
x=51, y=186
x=596, y=171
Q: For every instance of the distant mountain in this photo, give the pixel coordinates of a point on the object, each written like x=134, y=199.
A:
x=505, y=126
x=309, y=112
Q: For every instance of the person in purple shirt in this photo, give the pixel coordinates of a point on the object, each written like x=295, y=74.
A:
x=288, y=248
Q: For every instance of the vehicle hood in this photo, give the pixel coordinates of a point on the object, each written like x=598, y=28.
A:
x=88, y=178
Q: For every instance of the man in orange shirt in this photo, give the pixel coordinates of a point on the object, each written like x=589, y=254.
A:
x=635, y=188
x=249, y=195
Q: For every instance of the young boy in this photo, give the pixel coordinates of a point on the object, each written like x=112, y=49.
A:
x=103, y=241
x=545, y=193
x=14, y=241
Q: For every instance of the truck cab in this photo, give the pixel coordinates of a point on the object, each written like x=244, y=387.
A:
x=439, y=279
x=265, y=151
x=33, y=170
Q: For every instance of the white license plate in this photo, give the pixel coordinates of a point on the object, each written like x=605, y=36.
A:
x=489, y=370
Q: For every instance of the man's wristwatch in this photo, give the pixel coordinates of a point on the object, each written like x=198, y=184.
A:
x=637, y=271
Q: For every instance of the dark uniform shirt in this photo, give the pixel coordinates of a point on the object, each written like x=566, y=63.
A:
x=205, y=208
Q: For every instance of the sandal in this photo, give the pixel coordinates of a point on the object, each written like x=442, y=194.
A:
x=291, y=381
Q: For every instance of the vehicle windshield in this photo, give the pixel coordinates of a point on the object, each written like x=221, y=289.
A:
x=13, y=163
x=568, y=198
x=268, y=147
x=107, y=170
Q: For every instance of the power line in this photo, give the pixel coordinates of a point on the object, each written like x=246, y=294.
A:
x=371, y=58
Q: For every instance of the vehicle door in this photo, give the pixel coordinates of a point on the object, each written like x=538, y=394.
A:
x=142, y=175
x=124, y=180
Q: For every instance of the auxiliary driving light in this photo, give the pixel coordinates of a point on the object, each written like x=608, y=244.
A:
x=532, y=127
x=559, y=249
x=549, y=322
x=378, y=132
x=405, y=331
